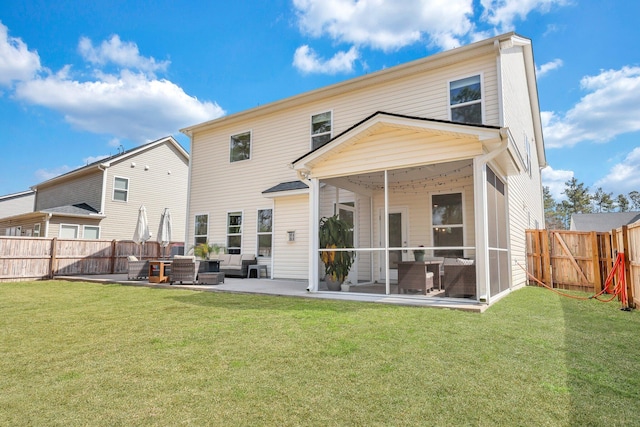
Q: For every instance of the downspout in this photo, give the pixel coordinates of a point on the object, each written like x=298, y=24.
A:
x=46, y=224
x=187, y=213
x=482, y=226
x=314, y=240
x=103, y=198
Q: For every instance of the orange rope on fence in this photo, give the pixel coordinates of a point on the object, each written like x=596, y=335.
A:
x=619, y=290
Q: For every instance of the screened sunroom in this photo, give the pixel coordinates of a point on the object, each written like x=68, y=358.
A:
x=425, y=202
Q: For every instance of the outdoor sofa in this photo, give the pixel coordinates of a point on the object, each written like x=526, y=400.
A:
x=236, y=265
x=184, y=269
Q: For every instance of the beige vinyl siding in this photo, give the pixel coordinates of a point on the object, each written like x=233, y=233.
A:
x=397, y=148
x=56, y=221
x=291, y=259
x=86, y=188
x=10, y=206
x=162, y=185
x=524, y=191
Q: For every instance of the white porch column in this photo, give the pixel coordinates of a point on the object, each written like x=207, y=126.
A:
x=482, y=228
x=314, y=239
x=387, y=281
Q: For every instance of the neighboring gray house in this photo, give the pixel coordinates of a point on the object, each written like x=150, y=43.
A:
x=102, y=200
x=17, y=203
x=604, y=221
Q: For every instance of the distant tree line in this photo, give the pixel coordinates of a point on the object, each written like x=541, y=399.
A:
x=557, y=215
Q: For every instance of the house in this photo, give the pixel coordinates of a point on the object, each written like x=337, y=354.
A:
x=603, y=221
x=442, y=154
x=17, y=203
x=101, y=200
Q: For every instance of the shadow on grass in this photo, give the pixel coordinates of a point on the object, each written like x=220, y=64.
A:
x=602, y=350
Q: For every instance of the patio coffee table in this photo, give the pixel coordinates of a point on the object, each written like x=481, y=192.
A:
x=210, y=278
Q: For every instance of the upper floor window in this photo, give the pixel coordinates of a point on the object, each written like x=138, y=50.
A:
x=120, y=189
x=201, y=233
x=465, y=100
x=320, y=129
x=240, y=148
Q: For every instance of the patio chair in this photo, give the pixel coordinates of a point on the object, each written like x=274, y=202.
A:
x=184, y=269
x=137, y=270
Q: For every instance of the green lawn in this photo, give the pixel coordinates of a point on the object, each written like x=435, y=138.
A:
x=87, y=354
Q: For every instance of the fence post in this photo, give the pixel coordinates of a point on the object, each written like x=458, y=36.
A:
x=627, y=266
x=54, y=261
x=595, y=259
x=546, y=258
x=113, y=256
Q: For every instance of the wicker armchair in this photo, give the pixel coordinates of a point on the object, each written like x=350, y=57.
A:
x=459, y=278
x=137, y=270
x=184, y=269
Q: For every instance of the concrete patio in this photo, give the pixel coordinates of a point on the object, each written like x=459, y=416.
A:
x=291, y=288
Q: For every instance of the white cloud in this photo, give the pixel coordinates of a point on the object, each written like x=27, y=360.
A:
x=128, y=106
x=608, y=110
x=123, y=54
x=555, y=180
x=384, y=24
x=548, y=67
x=502, y=13
x=131, y=104
x=46, y=174
x=17, y=62
x=623, y=177
x=306, y=60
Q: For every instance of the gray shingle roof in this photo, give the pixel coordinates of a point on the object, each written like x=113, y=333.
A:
x=604, y=221
x=77, y=209
x=287, y=186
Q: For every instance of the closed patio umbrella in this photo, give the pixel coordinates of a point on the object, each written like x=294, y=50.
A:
x=164, y=237
x=142, y=233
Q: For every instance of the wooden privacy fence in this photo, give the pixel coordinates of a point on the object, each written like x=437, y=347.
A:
x=33, y=258
x=582, y=261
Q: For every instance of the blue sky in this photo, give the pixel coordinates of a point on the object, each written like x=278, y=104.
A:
x=79, y=80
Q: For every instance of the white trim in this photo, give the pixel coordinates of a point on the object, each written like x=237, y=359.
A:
x=311, y=135
x=193, y=240
x=84, y=228
x=226, y=228
x=63, y=225
x=263, y=233
x=482, y=96
x=113, y=189
x=250, y=132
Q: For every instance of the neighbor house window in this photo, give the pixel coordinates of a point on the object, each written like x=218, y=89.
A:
x=120, y=189
x=320, y=129
x=69, y=231
x=465, y=100
x=91, y=232
x=447, y=224
x=201, y=232
x=240, y=148
x=36, y=230
x=265, y=232
x=234, y=232
x=13, y=231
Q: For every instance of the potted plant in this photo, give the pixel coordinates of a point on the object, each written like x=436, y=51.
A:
x=418, y=254
x=204, y=250
x=336, y=234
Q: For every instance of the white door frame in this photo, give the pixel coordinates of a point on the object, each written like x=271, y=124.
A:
x=404, y=211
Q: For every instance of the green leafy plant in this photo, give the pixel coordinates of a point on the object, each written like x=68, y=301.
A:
x=205, y=250
x=336, y=234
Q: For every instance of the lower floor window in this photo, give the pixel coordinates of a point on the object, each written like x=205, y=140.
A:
x=91, y=232
x=447, y=223
x=234, y=232
x=265, y=232
x=68, y=231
